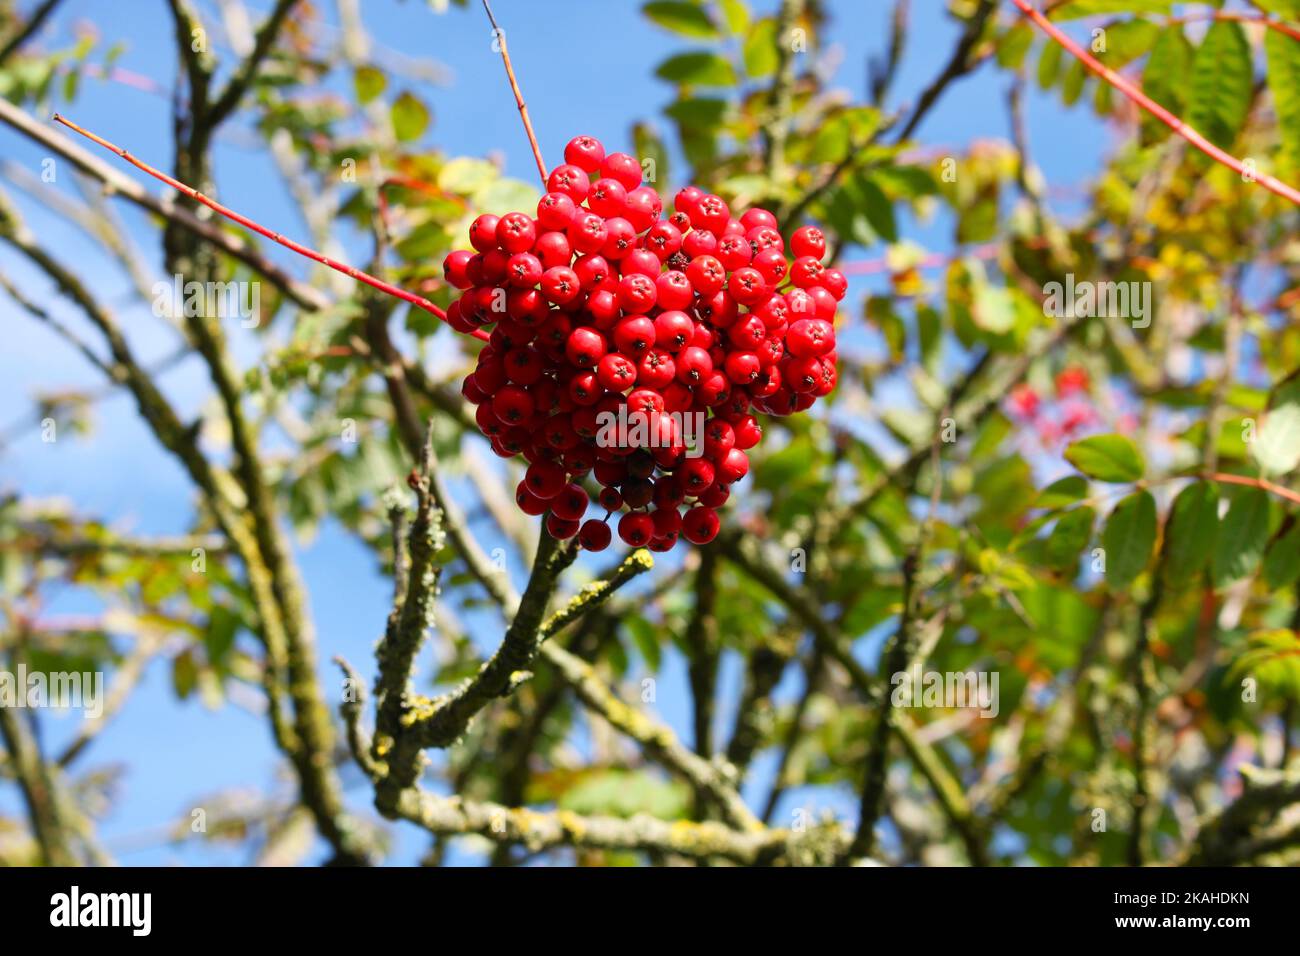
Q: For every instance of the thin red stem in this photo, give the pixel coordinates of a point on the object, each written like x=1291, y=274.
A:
x=519, y=96
x=418, y=301
x=1260, y=483
x=1236, y=16
x=1135, y=94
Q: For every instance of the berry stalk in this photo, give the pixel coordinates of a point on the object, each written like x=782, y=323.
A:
x=418, y=301
x=519, y=96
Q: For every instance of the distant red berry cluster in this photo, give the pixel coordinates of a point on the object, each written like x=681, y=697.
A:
x=616, y=330
x=1061, y=419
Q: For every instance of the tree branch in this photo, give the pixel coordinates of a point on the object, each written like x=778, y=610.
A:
x=302, y=294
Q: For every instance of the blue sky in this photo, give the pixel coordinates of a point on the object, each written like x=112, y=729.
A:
x=587, y=71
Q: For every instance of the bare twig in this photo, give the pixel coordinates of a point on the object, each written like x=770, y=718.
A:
x=500, y=36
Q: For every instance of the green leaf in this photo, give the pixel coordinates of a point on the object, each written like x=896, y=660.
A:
x=1242, y=537
x=1049, y=65
x=698, y=68
x=736, y=15
x=760, y=49
x=1165, y=77
x=1284, y=83
x=185, y=674
x=1064, y=492
x=1111, y=458
x=1272, y=657
x=1070, y=536
x=878, y=209
x=1277, y=446
x=1076, y=9
x=1129, y=537
x=684, y=18
x=1193, y=528
x=220, y=635
x=1282, y=563
x=1222, y=79
x=410, y=118
x=369, y=83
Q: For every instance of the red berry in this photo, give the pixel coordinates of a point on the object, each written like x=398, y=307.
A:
x=608, y=198
x=808, y=241
x=620, y=239
x=748, y=432
x=835, y=283
x=734, y=252
x=587, y=232
x=674, y=290
x=666, y=521
x=697, y=474
x=594, y=272
x=742, y=367
x=686, y=199
x=516, y=232
x=528, y=502
x=808, y=338
x=622, y=167
x=699, y=242
x=1024, y=400
x=545, y=479
x=634, y=335
x=643, y=207
x=673, y=330
x=561, y=528
x=616, y=372
x=713, y=390
x=585, y=152
x=595, y=535
x=524, y=270
x=733, y=466
x=483, y=232
x=571, y=503
x=707, y=274
x=556, y=210
x=716, y=496
x=663, y=239
x=454, y=268
x=641, y=261
x=570, y=180
x=636, y=293
x=693, y=365
x=560, y=285
x=636, y=528
x=700, y=525
x=512, y=405
x=806, y=272
x=747, y=286
x=710, y=213
x=755, y=217
x=585, y=388
x=553, y=249
x=637, y=492
x=772, y=266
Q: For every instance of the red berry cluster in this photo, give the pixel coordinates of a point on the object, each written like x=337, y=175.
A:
x=605, y=310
